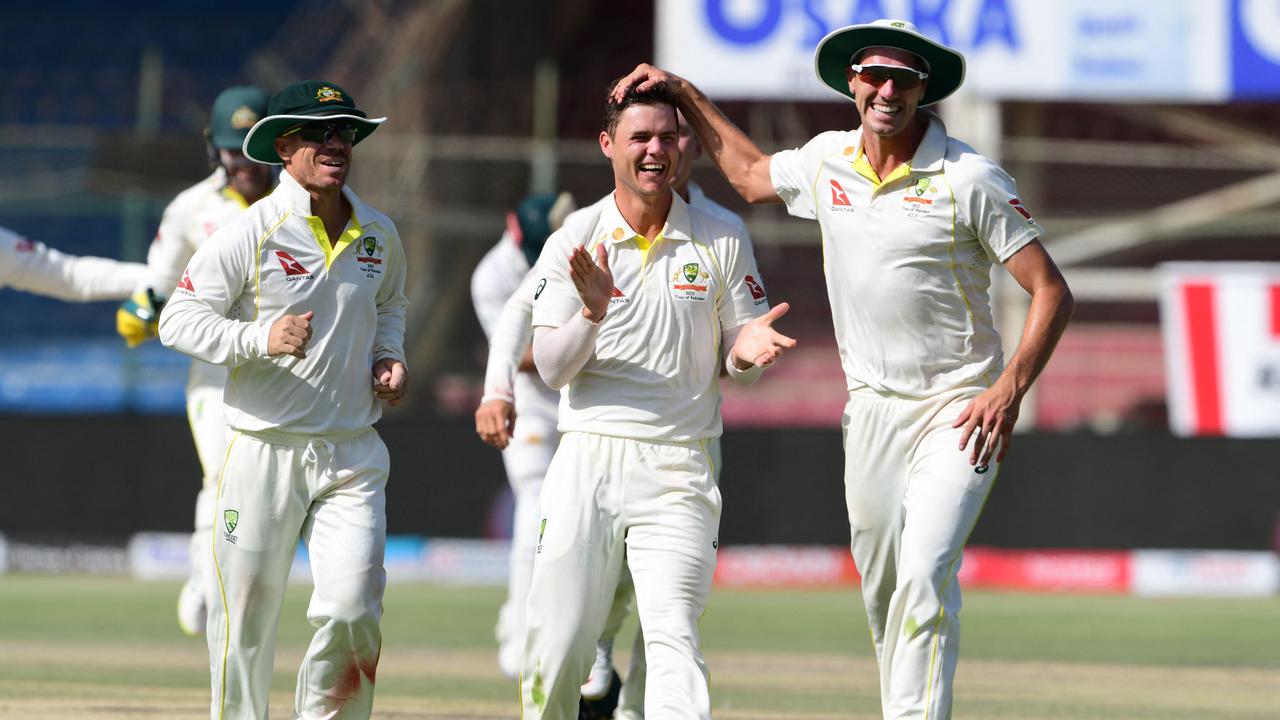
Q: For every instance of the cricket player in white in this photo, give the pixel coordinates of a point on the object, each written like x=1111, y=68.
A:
x=302, y=296
x=636, y=338
x=29, y=266
x=517, y=392
x=596, y=691
x=912, y=221
x=510, y=336
x=188, y=221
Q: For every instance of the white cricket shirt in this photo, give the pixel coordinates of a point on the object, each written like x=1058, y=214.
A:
x=30, y=266
x=908, y=260
x=653, y=373
x=188, y=221
x=274, y=259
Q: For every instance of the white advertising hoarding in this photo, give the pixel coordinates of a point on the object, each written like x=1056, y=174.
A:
x=1221, y=327
x=1122, y=50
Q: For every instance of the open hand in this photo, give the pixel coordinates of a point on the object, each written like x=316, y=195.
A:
x=646, y=76
x=989, y=420
x=593, y=281
x=758, y=344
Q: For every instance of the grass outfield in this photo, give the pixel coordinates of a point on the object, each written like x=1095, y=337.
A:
x=95, y=648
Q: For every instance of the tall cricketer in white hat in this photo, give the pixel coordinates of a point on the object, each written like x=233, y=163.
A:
x=842, y=48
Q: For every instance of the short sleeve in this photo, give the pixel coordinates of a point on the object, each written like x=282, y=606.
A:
x=793, y=182
x=744, y=297
x=996, y=216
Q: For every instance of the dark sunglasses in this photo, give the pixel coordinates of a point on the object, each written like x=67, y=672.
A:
x=321, y=132
x=904, y=78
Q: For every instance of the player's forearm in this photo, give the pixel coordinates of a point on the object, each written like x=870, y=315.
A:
x=1051, y=307
x=393, y=309
x=193, y=328
x=509, y=344
x=80, y=279
x=561, y=352
x=388, y=339
x=742, y=163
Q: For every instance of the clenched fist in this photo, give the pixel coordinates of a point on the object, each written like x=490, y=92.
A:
x=290, y=334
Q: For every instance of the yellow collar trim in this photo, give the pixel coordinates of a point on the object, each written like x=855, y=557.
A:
x=348, y=236
x=231, y=193
x=862, y=166
x=645, y=246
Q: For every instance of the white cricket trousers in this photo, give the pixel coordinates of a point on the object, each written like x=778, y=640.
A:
x=526, y=459
x=607, y=499
x=329, y=492
x=913, y=500
x=209, y=430
x=631, y=698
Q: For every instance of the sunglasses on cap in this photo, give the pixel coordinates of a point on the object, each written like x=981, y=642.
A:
x=904, y=78
x=321, y=132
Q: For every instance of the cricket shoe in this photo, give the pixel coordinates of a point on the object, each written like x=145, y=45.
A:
x=192, y=610
x=603, y=707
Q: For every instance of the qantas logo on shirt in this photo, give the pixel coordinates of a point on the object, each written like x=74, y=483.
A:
x=840, y=198
x=185, y=282
x=757, y=292
x=618, y=298
x=293, y=270
x=1017, y=205
x=24, y=246
x=838, y=195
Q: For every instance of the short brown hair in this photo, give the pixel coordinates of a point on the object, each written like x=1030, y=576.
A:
x=656, y=95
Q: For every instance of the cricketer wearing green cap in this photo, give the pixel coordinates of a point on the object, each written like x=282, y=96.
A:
x=303, y=296
x=912, y=221
x=303, y=104
x=187, y=223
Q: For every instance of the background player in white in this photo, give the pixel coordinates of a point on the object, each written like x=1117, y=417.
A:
x=29, y=266
x=912, y=221
x=188, y=221
x=527, y=447
x=303, y=296
x=637, y=335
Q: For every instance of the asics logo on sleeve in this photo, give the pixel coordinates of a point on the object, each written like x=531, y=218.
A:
x=1017, y=205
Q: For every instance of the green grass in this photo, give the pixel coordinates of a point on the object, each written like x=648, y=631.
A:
x=87, y=647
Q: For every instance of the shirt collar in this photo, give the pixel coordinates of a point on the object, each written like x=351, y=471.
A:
x=927, y=159
x=617, y=229
x=933, y=147
x=296, y=198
